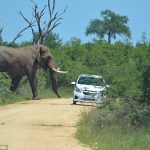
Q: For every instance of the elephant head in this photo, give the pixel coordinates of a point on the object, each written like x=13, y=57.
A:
x=47, y=61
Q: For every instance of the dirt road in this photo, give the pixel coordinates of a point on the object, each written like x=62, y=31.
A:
x=41, y=125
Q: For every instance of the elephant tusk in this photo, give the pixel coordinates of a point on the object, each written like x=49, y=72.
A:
x=58, y=70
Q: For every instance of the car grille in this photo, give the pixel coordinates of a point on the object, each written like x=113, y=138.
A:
x=89, y=93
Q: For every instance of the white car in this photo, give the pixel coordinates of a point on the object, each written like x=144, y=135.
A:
x=89, y=88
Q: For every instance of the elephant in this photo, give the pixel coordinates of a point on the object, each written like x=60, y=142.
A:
x=25, y=61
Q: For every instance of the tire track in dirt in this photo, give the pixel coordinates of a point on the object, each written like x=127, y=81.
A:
x=41, y=125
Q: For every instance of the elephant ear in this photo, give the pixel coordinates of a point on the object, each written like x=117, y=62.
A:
x=43, y=54
x=38, y=57
x=42, y=50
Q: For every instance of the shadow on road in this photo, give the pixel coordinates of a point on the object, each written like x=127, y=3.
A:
x=54, y=125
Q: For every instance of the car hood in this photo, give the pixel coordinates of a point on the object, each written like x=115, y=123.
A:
x=90, y=87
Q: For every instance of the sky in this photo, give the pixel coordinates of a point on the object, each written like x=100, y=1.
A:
x=77, y=17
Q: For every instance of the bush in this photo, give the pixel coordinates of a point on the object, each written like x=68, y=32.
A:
x=124, y=113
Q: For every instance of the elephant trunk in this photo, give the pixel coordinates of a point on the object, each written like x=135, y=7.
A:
x=53, y=77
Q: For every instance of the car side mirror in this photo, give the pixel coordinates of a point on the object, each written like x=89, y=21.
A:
x=107, y=86
x=73, y=83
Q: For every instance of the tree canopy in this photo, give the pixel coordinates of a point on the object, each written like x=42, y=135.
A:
x=110, y=25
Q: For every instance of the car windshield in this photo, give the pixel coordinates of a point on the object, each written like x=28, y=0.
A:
x=91, y=81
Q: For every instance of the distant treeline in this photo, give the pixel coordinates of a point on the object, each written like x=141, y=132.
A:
x=125, y=68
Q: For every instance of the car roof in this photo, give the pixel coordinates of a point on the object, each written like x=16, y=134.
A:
x=90, y=75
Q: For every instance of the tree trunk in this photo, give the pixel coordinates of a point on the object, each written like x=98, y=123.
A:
x=109, y=36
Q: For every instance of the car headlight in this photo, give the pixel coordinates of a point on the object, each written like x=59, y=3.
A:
x=78, y=90
x=103, y=93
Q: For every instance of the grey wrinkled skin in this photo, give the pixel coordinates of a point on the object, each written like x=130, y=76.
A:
x=18, y=62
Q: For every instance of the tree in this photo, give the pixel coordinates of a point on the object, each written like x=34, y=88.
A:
x=75, y=50
x=144, y=38
x=53, y=40
x=36, y=23
x=1, y=39
x=111, y=25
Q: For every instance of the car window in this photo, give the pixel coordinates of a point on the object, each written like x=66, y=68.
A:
x=91, y=81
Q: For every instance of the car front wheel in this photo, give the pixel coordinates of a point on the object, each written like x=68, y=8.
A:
x=74, y=102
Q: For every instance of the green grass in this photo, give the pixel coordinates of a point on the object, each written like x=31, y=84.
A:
x=112, y=137
x=12, y=99
x=24, y=93
x=48, y=93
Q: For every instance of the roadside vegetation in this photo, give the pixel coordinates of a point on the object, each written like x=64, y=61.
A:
x=24, y=93
x=111, y=136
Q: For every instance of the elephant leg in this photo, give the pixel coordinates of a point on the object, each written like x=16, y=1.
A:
x=33, y=80
x=15, y=83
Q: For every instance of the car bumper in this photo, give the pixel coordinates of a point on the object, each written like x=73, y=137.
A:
x=90, y=97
